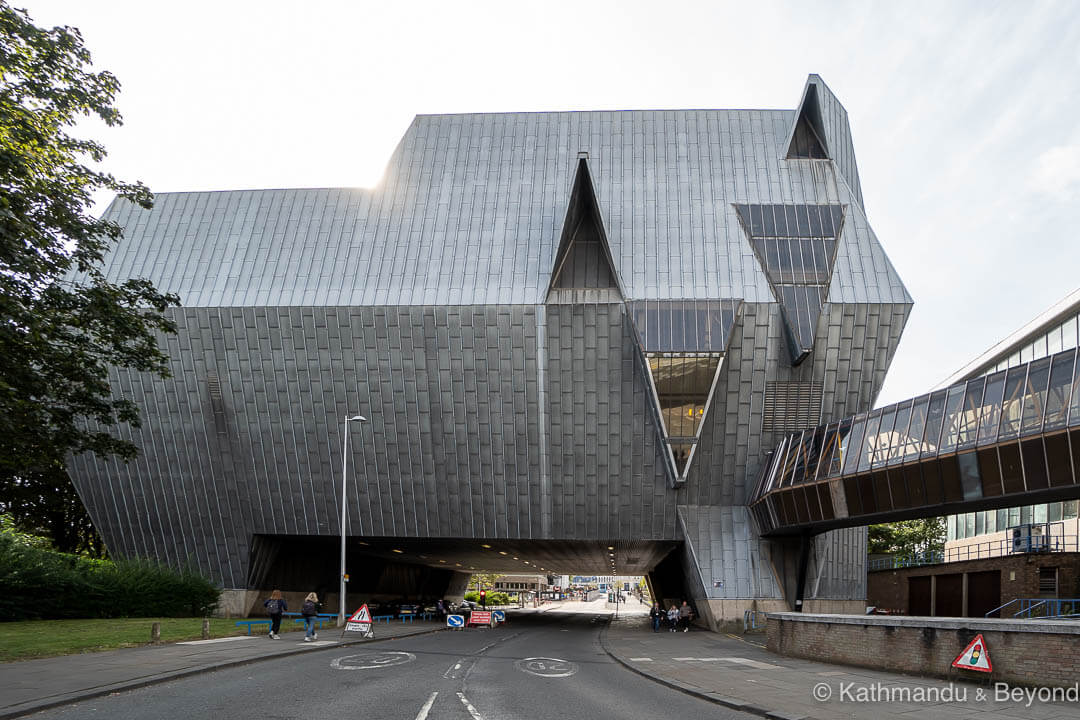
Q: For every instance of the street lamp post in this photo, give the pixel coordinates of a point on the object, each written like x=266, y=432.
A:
x=344, y=485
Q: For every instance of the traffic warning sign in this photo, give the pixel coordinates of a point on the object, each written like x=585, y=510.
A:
x=976, y=656
x=360, y=622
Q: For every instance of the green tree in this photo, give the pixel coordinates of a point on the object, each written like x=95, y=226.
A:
x=63, y=324
x=907, y=537
x=483, y=581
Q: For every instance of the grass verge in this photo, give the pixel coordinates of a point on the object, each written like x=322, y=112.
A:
x=27, y=639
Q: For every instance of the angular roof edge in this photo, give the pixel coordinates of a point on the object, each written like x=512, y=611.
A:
x=1067, y=305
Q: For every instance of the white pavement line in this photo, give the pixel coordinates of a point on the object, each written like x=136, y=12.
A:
x=453, y=668
x=753, y=663
x=422, y=715
x=683, y=659
x=640, y=659
x=221, y=640
x=470, y=708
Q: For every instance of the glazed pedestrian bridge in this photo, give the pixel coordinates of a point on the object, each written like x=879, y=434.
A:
x=1006, y=439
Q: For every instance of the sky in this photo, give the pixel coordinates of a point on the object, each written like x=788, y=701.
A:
x=964, y=114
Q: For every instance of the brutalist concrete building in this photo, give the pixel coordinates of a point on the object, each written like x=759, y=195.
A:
x=574, y=336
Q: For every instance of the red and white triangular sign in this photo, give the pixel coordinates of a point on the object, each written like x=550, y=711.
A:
x=362, y=615
x=976, y=656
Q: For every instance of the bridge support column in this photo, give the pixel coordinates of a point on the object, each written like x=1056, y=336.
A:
x=804, y=561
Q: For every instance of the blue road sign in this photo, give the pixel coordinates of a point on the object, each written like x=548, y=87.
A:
x=455, y=621
x=498, y=616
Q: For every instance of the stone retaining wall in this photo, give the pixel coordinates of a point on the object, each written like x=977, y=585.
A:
x=1031, y=652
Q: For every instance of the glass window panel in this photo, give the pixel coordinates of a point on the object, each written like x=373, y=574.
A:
x=1057, y=395
x=1074, y=404
x=1053, y=341
x=881, y=443
x=814, y=453
x=866, y=448
x=991, y=521
x=756, y=225
x=934, y=415
x=898, y=446
x=988, y=425
x=1025, y=515
x=1070, y=509
x=1068, y=333
x=1014, y=517
x=1012, y=402
x=980, y=523
x=792, y=221
x=969, y=524
x=678, y=337
x=852, y=443
x=1035, y=396
x=1038, y=513
x=768, y=226
x=916, y=427
x=969, y=415
x=652, y=327
x=682, y=387
x=1002, y=519
x=951, y=426
x=837, y=446
x=950, y=527
x=1053, y=512
x=813, y=211
x=829, y=447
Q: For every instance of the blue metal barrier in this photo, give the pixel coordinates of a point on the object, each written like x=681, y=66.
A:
x=1032, y=608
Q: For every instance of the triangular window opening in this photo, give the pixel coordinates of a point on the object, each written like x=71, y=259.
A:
x=583, y=260
x=684, y=388
x=584, y=265
x=796, y=246
x=807, y=142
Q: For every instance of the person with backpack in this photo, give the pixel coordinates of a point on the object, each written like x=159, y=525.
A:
x=673, y=618
x=275, y=605
x=309, y=610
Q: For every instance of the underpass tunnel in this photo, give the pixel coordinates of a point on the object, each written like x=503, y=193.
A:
x=386, y=570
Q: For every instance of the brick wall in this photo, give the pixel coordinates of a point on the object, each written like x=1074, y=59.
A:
x=1032, y=652
x=888, y=589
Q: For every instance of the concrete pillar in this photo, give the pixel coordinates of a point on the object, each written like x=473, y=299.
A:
x=206, y=628
x=155, y=633
x=933, y=595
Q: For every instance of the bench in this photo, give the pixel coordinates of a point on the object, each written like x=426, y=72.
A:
x=249, y=623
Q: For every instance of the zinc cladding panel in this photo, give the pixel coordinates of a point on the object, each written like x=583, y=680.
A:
x=465, y=467
x=470, y=211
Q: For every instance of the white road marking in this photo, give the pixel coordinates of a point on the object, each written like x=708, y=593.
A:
x=547, y=667
x=221, y=640
x=422, y=715
x=684, y=659
x=753, y=663
x=451, y=671
x=317, y=643
x=470, y=708
x=370, y=660
x=640, y=659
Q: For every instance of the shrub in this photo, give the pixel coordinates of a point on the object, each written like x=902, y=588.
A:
x=42, y=584
x=473, y=596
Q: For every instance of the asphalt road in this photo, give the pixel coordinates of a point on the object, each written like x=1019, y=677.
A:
x=539, y=666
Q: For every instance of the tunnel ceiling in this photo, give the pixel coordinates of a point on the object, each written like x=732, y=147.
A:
x=514, y=556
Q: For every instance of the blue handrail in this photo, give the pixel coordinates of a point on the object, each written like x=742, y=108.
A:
x=1030, y=608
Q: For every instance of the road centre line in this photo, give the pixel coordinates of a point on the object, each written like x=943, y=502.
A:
x=422, y=715
x=470, y=708
x=640, y=659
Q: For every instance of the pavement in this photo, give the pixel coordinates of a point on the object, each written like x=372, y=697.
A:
x=739, y=673
x=736, y=672
x=29, y=686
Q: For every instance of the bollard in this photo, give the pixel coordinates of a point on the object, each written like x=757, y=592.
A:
x=206, y=628
x=155, y=633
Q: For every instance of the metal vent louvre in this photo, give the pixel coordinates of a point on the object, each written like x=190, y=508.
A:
x=791, y=406
x=217, y=402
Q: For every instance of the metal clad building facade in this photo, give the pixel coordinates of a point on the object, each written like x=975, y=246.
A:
x=578, y=326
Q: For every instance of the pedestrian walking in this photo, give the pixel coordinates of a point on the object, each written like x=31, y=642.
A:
x=673, y=618
x=656, y=615
x=685, y=615
x=275, y=605
x=309, y=610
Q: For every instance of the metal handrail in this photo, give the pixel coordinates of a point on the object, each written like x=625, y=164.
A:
x=1056, y=608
